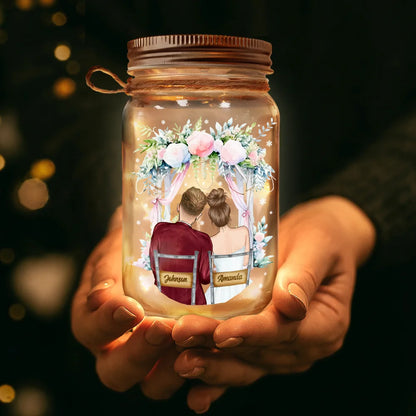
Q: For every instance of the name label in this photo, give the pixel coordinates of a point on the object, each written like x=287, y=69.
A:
x=176, y=279
x=237, y=277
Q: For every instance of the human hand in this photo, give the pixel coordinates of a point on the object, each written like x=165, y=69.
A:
x=321, y=243
x=129, y=349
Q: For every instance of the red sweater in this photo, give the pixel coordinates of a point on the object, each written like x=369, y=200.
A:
x=181, y=238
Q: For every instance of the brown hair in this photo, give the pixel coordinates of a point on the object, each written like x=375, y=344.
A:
x=193, y=201
x=219, y=210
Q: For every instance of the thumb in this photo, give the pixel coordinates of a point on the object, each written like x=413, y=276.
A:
x=294, y=288
x=298, y=278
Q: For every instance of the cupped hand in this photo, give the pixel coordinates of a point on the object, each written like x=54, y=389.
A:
x=129, y=348
x=321, y=243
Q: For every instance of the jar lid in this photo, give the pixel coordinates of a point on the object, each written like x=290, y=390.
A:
x=199, y=50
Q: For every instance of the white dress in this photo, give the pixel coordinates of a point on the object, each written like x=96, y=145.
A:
x=227, y=264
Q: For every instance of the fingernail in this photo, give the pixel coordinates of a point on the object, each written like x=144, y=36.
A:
x=193, y=341
x=105, y=284
x=195, y=372
x=230, y=342
x=299, y=295
x=158, y=333
x=123, y=315
x=202, y=409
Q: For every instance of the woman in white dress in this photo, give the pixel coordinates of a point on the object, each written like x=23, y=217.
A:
x=228, y=240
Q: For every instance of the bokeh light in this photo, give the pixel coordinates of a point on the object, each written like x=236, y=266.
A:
x=42, y=169
x=46, y=3
x=33, y=194
x=7, y=393
x=17, y=312
x=59, y=19
x=2, y=162
x=73, y=67
x=62, y=52
x=6, y=255
x=31, y=401
x=24, y=4
x=43, y=284
x=64, y=87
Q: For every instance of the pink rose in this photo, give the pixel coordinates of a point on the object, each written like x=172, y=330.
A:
x=253, y=157
x=259, y=237
x=176, y=154
x=233, y=152
x=200, y=143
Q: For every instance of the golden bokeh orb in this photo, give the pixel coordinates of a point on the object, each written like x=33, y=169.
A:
x=42, y=169
x=59, y=19
x=62, y=52
x=24, y=4
x=2, y=162
x=7, y=393
x=64, y=87
x=33, y=194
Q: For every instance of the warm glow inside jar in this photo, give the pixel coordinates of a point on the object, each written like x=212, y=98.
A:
x=200, y=176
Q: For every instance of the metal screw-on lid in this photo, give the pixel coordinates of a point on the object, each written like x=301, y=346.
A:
x=199, y=50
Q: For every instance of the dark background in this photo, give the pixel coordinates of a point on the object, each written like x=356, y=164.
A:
x=344, y=71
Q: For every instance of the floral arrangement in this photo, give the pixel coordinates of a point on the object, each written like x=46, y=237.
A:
x=260, y=240
x=230, y=147
x=144, y=260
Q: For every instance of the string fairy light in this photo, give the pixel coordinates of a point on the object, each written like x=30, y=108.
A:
x=64, y=87
x=59, y=19
x=62, y=52
x=33, y=194
x=42, y=169
x=7, y=393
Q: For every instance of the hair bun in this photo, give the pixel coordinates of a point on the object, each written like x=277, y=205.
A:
x=216, y=198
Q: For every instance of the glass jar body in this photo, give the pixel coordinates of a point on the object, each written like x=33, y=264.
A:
x=208, y=139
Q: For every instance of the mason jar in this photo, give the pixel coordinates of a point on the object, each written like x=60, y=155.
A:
x=200, y=175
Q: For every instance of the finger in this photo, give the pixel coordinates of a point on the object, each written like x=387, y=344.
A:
x=193, y=331
x=266, y=328
x=216, y=368
x=161, y=383
x=111, y=320
x=308, y=261
x=128, y=360
x=201, y=397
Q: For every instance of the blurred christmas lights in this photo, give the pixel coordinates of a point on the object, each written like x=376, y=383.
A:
x=46, y=3
x=62, y=52
x=17, y=312
x=44, y=283
x=24, y=4
x=72, y=67
x=33, y=194
x=2, y=162
x=59, y=19
x=64, y=87
x=6, y=255
x=7, y=393
x=42, y=169
x=31, y=401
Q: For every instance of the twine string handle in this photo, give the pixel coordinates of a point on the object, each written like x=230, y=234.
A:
x=106, y=71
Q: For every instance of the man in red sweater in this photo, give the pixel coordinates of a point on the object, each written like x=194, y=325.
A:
x=181, y=239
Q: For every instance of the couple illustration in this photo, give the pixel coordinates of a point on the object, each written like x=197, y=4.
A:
x=181, y=239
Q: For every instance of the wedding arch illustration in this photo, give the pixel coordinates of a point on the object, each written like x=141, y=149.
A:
x=228, y=150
